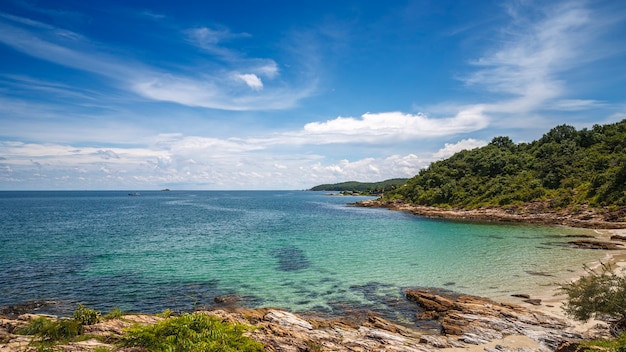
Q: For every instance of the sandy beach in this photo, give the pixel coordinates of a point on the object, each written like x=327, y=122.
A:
x=552, y=301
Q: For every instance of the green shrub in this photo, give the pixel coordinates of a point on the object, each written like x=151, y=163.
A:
x=191, y=332
x=615, y=345
x=166, y=313
x=598, y=295
x=115, y=313
x=86, y=316
x=48, y=330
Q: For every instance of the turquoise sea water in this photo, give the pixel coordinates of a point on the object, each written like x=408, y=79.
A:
x=297, y=250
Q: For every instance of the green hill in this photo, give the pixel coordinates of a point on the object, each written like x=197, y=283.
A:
x=564, y=168
x=362, y=187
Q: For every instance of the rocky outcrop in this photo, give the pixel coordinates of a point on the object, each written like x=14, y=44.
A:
x=475, y=320
x=463, y=321
x=537, y=212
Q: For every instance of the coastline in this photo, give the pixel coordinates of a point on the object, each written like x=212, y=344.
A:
x=280, y=328
x=551, y=300
x=533, y=213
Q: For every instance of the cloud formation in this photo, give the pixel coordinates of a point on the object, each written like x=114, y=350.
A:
x=239, y=110
x=252, y=80
x=452, y=148
x=394, y=126
x=214, y=90
x=527, y=66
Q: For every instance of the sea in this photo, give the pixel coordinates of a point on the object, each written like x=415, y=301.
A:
x=297, y=250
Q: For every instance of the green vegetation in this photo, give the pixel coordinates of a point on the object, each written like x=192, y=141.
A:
x=363, y=187
x=598, y=295
x=63, y=330
x=115, y=313
x=191, y=332
x=564, y=168
x=50, y=331
x=86, y=316
x=602, y=296
x=616, y=345
x=188, y=332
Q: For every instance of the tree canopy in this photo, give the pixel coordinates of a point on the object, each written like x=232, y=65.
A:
x=565, y=167
x=362, y=187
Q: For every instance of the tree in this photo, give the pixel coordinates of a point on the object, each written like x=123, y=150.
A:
x=598, y=295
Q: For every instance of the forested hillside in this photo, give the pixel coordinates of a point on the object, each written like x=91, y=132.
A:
x=362, y=187
x=564, y=168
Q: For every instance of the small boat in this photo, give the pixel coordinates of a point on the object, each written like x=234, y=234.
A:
x=134, y=194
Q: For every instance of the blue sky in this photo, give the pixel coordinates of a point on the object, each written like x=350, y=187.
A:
x=290, y=94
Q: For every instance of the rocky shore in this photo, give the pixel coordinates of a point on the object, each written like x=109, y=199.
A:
x=464, y=322
x=534, y=213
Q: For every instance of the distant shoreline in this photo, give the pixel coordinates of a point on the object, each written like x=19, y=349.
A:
x=534, y=213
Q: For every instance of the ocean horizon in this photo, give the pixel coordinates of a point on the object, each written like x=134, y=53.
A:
x=296, y=250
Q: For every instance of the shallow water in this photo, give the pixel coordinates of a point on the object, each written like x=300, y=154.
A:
x=301, y=251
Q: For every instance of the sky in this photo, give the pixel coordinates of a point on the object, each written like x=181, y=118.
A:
x=286, y=95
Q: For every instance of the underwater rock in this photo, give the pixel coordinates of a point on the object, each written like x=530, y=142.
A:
x=290, y=259
x=588, y=244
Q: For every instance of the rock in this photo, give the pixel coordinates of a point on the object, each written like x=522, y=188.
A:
x=15, y=310
x=429, y=301
x=465, y=321
x=589, y=244
x=534, y=301
x=521, y=295
x=87, y=345
x=476, y=320
x=287, y=319
x=428, y=315
x=618, y=238
x=435, y=341
x=570, y=347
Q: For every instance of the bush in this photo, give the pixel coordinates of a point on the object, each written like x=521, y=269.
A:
x=598, y=295
x=191, y=332
x=48, y=330
x=86, y=316
x=115, y=313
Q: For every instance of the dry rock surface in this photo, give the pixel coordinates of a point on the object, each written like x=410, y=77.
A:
x=465, y=321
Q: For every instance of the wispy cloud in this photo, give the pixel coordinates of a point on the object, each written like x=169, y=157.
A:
x=533, y=53
x=215, y=90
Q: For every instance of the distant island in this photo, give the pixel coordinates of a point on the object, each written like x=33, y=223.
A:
x=567, y=174
x=362, y=188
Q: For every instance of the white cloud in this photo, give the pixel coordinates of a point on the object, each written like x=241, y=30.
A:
x=252, y=80
x=189, y=162
x=393, y=126
x=465, y=144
